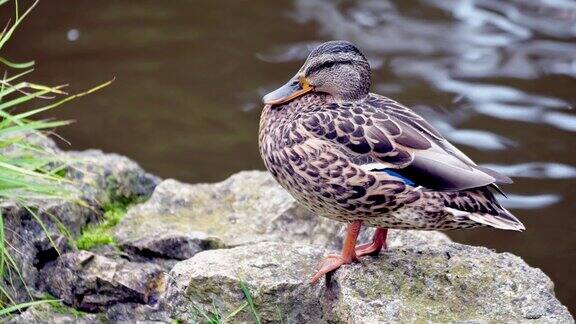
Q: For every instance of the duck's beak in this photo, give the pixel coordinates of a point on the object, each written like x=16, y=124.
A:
x=296, y=87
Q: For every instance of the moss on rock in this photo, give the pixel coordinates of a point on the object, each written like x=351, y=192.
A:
x=101, y=233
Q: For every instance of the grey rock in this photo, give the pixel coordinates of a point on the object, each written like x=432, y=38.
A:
x=49, y=249
x=92, y=282
x=136, y=313
x=180, y=220
x=443, y=283
x=248, y=229
x=96, y=178
x=275, y=273
x=45, y=314
x=108, y=177
x=34, y=138
x=30, y=245
x=437, y=282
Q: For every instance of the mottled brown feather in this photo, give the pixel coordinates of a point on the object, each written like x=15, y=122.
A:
x=318, y=149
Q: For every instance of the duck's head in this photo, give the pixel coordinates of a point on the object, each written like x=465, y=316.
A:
x=337, y=68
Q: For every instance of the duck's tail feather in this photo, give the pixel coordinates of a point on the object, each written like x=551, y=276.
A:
x=504, y=220
x=505, y=223
x=481, y=206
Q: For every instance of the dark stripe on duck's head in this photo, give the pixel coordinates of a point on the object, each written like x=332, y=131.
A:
x=326, y=65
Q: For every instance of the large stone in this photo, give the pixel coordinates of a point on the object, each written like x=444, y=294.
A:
x=97, y=179
x=180, y=220
x=46, y=314
x=108, y=177
x=92, y=282
x=275, y=273
x=437, y=282
x=254, y=233
x=136, y=313
x=443, y=283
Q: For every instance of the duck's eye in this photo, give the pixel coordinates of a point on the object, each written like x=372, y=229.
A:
x=320, y=66
x=328, y=64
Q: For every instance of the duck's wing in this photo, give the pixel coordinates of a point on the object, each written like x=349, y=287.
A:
x=380, y=134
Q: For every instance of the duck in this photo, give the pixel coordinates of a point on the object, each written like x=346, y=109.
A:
x=364, y=159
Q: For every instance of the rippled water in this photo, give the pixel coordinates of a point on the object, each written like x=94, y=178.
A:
x=498, y=78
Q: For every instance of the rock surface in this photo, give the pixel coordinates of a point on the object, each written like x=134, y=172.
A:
x=134, y=312
x=92, y=282
x=97, y=179
x=247, y=229
x=180, y=220
x=45, y=314
x=275, y=273
x=108, y=177
x=446, y=282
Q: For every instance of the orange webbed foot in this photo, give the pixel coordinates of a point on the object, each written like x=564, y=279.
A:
x=350, y=253
x=369, y=249
x=378, y=243
x=329, y=264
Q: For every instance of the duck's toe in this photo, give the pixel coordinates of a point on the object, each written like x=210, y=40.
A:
x=369, y=249
x=373, y=248
x=327, y=265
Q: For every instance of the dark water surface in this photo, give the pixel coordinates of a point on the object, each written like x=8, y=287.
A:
x=498, y=78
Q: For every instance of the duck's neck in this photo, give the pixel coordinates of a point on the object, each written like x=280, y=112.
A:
x=356, y=88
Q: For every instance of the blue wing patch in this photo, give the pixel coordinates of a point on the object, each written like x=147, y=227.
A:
x=398, y=175
x=381, y=168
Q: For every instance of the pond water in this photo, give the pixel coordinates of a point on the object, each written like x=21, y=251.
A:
x=498, y=78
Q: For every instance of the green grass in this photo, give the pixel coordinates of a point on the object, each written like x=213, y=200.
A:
x=101, y=234
x=214, y=316
x=250, y=301
x=29, y=173
x=58, y=306
x=17, y=307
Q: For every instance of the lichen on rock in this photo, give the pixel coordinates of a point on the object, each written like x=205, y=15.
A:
x=443, y=283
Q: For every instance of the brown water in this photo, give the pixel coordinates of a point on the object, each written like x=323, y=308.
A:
x=498, y=78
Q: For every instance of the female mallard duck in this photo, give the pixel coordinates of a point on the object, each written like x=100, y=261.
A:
x=358, y=157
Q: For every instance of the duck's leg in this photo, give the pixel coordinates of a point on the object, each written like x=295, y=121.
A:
x=378, y=242
x=333, y=262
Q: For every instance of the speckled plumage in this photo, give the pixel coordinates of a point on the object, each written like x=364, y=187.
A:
x=315, y=148
x=334, y=157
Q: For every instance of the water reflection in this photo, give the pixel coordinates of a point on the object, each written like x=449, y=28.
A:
x=479, y=139
x=483, y=41
x=529, y=202
x=528, y=113
x=536, y=170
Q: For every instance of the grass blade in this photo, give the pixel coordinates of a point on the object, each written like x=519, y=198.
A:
x=6, y=35
x=13, y=65
x=235, y=312
x=250, y=301
x=21, y=306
